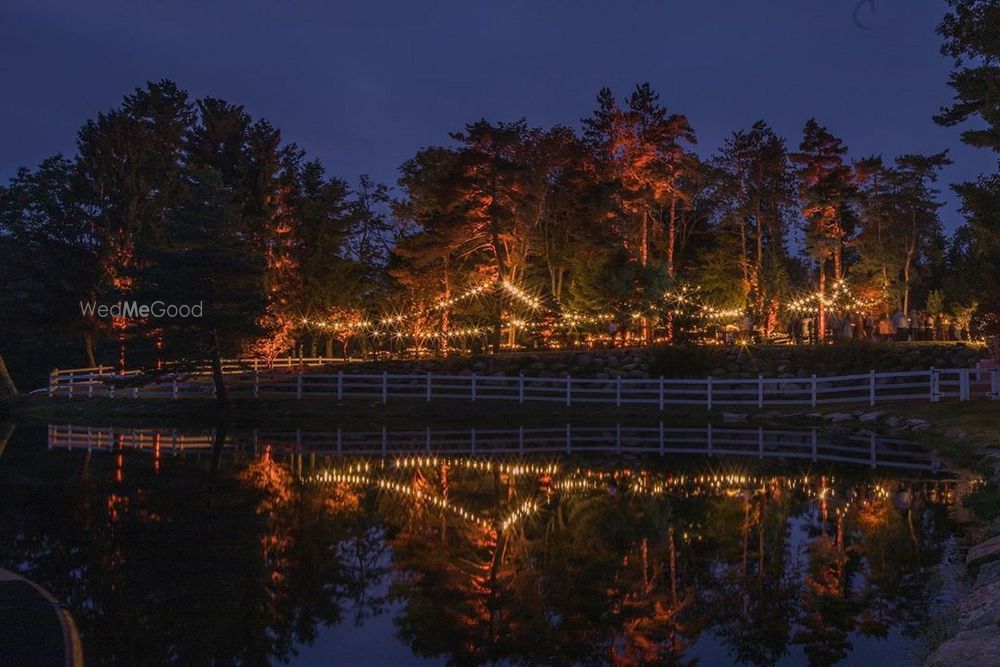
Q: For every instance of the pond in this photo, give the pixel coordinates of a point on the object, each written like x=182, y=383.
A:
x=518, y=546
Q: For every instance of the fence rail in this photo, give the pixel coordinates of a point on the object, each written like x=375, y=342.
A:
x=293, y=382
x=864, y=449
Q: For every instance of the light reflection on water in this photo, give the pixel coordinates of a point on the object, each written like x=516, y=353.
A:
x=318, y=549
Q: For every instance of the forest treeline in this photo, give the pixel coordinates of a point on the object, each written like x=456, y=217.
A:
x=506, y=233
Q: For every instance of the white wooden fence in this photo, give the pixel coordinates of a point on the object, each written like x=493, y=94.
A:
x=932, y=385
x=864, y=449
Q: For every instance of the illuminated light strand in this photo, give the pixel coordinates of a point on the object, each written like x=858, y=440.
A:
x=329, y=476
x=526, y=509
x=475, y=464
x=532, y=302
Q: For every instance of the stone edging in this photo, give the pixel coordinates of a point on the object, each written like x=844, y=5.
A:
x=977, y=612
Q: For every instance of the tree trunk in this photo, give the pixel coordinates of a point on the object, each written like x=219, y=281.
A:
x=88, y=348
x=672, y=237
x=328, y=348
x=7, y=430
x=218, y=444
x=221, y=397
x=8, y=391
x=498, y=322
x=821, y=313
x=906, y=278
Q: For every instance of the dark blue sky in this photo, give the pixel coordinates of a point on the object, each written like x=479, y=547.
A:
x=363, y=84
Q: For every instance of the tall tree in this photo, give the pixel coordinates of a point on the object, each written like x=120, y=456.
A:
x=825, y=191
x=758, y=193
x=970, y=33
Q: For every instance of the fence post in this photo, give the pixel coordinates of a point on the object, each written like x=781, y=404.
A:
x=473, y=387
x=708, y=394
x=812, y=394
x=760, y=390
x=661, y=437
x=963, y=391
x=520, y=387
x=385, y=386
x=135, y=391
x=256, y=382
x=340, y=385
x=995, y=384
x=569, y=385
x=618, y=391
x=173, y=386
x=932, y=381
x=661, y=394
x=428, y=386
x=72, y=381
x=298, y=384
x=90, y=386
x=871, y=387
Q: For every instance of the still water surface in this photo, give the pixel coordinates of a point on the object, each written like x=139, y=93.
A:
x=483, y=548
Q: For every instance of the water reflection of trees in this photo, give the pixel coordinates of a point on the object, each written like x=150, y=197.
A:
x=520, y=562
x=624, y=567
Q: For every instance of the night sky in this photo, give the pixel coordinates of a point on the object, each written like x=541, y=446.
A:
x=363, y=84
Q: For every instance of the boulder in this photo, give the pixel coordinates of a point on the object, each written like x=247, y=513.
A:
x=971, y=648
x=980, y=607
x=868, y=417
x=733, y=417
x=988, y=549
x=838, y=417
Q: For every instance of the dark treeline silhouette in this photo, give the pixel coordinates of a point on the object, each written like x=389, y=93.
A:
x=507, y=235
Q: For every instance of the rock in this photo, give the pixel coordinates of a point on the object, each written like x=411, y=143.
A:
x=987, y=549
x=814, y=415
x=988, y=574
x=838, y=417
x=972, y=648
x=868, y=417
x=733, y=417
x=894, y=422
x=980, y=607
x=918, y=424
